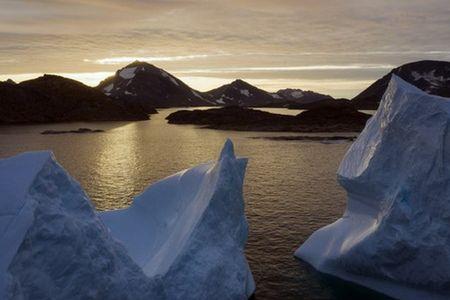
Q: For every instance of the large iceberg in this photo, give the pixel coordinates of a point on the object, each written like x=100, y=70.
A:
x=183, y=238
x=52, y=243
x=190, y=230
x=394, y=236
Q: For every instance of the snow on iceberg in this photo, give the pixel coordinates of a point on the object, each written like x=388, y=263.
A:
x=190, y=230
x=183, y=238
x=394, y=236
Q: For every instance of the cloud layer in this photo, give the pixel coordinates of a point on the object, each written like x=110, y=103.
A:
x=257, y=36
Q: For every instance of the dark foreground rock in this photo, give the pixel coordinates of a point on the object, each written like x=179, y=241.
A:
x=324, y=119
x=79, y=130
x=52, y=98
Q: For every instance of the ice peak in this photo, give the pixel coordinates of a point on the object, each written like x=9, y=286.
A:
x=227, y=150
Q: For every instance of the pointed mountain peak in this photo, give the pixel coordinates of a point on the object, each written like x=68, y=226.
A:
x=143, y=64
x=240, y=82
x=10, y=81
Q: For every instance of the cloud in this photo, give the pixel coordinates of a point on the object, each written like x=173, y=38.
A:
x=290, y=68
x=128, y=59
x=349, y=36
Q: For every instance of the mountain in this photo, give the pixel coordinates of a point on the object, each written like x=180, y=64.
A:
x=146, y=86
x=300, y=96
x=10, y=81
x=53, y=98
x=240, y=93
x=430, y=76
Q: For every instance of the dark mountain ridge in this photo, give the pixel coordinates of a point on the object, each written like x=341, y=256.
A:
x=52, y=98
x=430, y=76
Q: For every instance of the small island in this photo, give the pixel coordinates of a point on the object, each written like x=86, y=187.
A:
x=79, y=130
x=342, y=118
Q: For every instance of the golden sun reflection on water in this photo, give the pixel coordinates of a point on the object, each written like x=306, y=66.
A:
x=117, y=161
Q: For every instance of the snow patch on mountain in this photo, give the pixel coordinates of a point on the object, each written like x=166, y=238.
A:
x=297, y=94
x=109, y=88
x=197, y=94
x=246, y=93
x=128, y=73
x=276, y=96
x=167, y=75
x=431, y=78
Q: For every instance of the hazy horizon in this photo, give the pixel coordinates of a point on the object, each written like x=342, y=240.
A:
x=333, y=47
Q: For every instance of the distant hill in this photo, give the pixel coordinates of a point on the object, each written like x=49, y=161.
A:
x=431, y=76
x=53, y=98
x=146, y=86
x=299, y=96
x=240, y=93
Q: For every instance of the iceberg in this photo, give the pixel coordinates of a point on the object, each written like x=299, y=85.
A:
x=394, y=236
x=190, y=230
x=52, y=243
x=183, y=238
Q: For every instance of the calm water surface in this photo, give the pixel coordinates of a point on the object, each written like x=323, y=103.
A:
x=290, y=187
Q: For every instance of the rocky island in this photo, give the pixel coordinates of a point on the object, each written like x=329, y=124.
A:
x=342, y=118
x=79, y=130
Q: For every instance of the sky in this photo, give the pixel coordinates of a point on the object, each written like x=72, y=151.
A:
x=338, y=47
